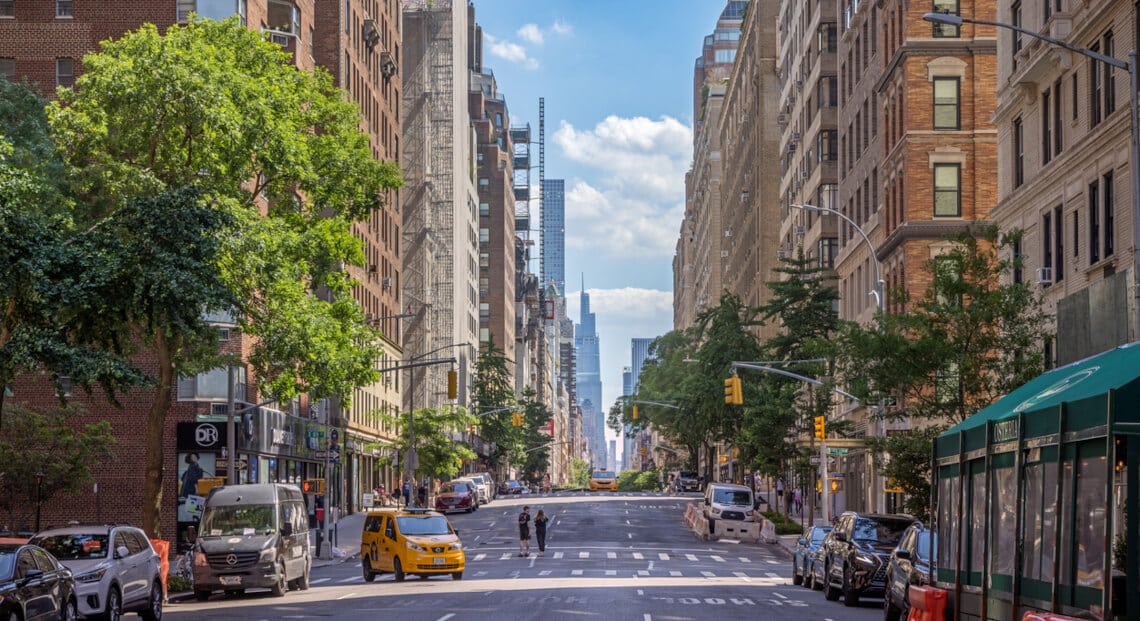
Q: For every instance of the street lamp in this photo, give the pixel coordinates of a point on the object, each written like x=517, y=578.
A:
x=1134, y=85
x=878, y=292
x=39, y=497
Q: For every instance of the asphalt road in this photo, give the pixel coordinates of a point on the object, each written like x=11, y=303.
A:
x=609, y=556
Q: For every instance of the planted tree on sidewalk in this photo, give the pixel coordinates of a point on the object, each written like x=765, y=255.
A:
x=277, y=151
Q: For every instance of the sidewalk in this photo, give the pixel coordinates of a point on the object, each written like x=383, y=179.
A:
x=347, y=541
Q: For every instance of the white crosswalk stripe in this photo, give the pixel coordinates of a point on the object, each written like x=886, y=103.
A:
x=643, y=572
x=611, y=554
x=745, y=559
x=583, y=555
x=319, y=580
x=717, y=558
x=638, y=556
x=691, y=557
x=479, y=557
x=663, y=556
x=674, y=573
x=611, y=572
x=558, y=555
x=352, y=579
x=708, y=574
x=576, y=572
x=505, y=556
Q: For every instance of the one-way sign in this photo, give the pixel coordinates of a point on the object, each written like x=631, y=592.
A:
x=224, y=464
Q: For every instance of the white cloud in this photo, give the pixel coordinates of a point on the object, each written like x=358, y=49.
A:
x=510, y=52
x=634, y=207
x=562, y=28
x=530, y=33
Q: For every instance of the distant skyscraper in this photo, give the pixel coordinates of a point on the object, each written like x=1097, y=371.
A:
x=586, y=342
x=554, y=233
x=639, y=353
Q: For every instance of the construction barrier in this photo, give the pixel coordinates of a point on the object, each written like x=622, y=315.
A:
x=731, y=529
x=162, y=548
x=1031, y=615
x=768, y=531
x=927, y=604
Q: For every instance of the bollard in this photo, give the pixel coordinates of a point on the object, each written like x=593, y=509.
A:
x=320, y=538
x=162, y=548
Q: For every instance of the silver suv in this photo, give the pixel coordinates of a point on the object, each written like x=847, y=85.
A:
x=116, y=569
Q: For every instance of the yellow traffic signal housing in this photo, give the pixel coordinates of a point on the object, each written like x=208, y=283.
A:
x=635, y=412
x=205, y=484
x=452, y=384
x=315, y=487
x=471, y=427
x=516, y=419
x=820, y=429
x=733, y=391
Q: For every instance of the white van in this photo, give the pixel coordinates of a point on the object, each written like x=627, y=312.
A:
x=728, y=501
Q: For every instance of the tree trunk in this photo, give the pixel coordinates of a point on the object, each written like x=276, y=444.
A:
x=155, y=428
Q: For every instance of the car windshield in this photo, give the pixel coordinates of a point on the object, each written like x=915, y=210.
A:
x=423, y=525
x=818, y=534
x=74, y=546
x=453, y=487
x=884, y=532
x=687, y=474
x=604, y=475
x=225, y=520
x=732, y=497
x=922, y=547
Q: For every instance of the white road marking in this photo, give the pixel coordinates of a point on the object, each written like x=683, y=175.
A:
x=691, y=557
x=708, y=574
x=611, y=572
x=318, y=580
x=771, y=562
x=558, y=555
x=576, y=572
x=717, y=558
x=779, y=595
x=479, y=557
x=638, y=555
x=545, y=572
x=729, y=540
x=745, y=559
x=583, y=555
x=347, y=595
x=743, y=576
x=663, y=556
x=627, y=523
x=647, y=617
x=629, y=535
x=773, y=575
x=352, y=579
x=611, y=554
x=643, y=572
x=674, y=573
x=480, y=573
x=446, y=616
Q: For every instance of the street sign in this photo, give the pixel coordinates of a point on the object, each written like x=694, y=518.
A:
x=836, y=451
x=814, y=460
x=224, y=464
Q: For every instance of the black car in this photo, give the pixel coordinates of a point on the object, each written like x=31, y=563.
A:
x=34, y=586
x=910, y=563
x=805, y=549
x=857, y=552
x=687, y=481
x=510, y=488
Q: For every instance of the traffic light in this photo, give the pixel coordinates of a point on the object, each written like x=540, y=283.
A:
x=635, y=411
x=452, y=384
x=314, y=487
x=516, y=419
x=471, y=428
x=733, y=393
x=819, y=427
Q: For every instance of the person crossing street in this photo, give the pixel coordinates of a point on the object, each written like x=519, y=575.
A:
x=524, y=532
x=540, y=521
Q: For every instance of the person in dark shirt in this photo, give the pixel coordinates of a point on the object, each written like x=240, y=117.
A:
x=524, y=532
x=540, y=521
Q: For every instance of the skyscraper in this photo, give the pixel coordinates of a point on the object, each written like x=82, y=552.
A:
x=587, y=344
x=554, y=233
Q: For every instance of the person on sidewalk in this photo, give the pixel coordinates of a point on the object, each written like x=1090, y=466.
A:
x=524, y=532
x=540, y=521
x=406, y=492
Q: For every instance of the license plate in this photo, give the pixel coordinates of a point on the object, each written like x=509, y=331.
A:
x=439, y=561
x=230, y=580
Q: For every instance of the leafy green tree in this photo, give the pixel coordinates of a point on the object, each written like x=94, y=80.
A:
x=971, y=338
x=434, y=429
x=493, y=388
x=279, y=152
x=579, y=472
x=32, y=443
x=533, y=460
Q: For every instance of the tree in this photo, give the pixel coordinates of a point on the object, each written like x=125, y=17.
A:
x=438, y=453
x=533, y=460
x=578, y=472
x=971, y=338
x=215, y=106
x=493, y=388
x=49, y=444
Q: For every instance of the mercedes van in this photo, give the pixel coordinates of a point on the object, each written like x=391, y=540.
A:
x=252, y=536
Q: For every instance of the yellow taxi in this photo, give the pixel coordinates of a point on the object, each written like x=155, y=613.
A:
x=603, y=480
x=409, y=541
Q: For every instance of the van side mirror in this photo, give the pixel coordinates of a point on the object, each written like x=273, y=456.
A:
x=902, y=554
x=841, y=536
x=287, y=530
x=707, y=502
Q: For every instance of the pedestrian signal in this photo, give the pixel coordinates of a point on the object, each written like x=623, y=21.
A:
x=315, y=487
x=820, y=431
x=733, y=392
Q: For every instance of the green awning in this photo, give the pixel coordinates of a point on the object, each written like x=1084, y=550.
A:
x=1083, y=381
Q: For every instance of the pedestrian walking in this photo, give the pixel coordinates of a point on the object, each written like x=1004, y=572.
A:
x=799, y=500
x=540, y=530
x=524, y=532
x=406, y=491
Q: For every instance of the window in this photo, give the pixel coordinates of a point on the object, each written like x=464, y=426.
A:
x=484, y=210
x=8, y=69
x=828, y=38
x=827, y=91
x=947, y=190
x=1017, y=273
x=1096, y=89
x=1058, y=140
x=1015, y=19
x=828, y=145
x=1109, y=225
x=1047, y=240
x=284, y=17
x=725, y=56
x=1058, y=245
x=1109, y=75
x=63, y=8
x=946, y=93
x=1018, y=153
x=1046, y=126
x=7, y=8
x=946, y=6
x=828, y=250
x=64, y=72
x=1094, y=223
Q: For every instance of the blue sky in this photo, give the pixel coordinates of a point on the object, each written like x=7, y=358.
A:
x=617, y=80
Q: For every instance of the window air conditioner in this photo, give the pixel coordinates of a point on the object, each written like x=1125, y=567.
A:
x=728, y=232
x=724, y=254
x=799, y=230
x=387, y=64
x=803, y=174
x=781, y=118
x=385, y=282
x=1044, y=275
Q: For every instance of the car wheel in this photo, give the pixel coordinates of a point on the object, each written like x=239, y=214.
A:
x=366, y=566
x=458, y=575
x=70, y=610
x=279, y=587
x=830, y=593
x=814, y=584
x=850, y=595
x=797, y=577
x=12, y=616
x=201, y=595
x=153, y=612
x=398, y=570
x=807, y=574
x=890, y=613
x=114, y=610
x=303, y=581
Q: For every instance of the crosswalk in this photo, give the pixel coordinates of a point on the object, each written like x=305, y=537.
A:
x=623, y=555
x=768, y=576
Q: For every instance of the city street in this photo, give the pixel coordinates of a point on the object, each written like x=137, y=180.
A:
x=611, y=556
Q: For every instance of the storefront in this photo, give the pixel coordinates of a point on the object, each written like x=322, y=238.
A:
x=1036, y=497
x=271, y=446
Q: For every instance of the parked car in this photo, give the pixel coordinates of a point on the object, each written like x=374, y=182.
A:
x=34, y=585
x=489, y=481
x=687, y=481
x=459, y=495
x=480, y=489
x=857, y=554
x=510, y=488
x=805, y=549
x=815, y=576
x=910, y=563
x=409, y=541
x=114, y=566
